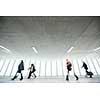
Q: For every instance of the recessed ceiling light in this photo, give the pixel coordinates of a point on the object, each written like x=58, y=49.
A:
x=70, y=50
x=34, y=49
x=97, y=49
x=5, y=48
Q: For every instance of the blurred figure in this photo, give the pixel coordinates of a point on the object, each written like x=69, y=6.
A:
x=20, y=68
x=88, y=73
x=85, y=66
x=69, y=68
x=32, y=70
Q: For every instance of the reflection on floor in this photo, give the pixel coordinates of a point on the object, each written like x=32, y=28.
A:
x=82, y=79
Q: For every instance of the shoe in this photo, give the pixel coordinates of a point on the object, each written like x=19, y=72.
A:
x=67, y=78
x=21, y=78
x=91, y=76
x=14, y=77
x=77, y=78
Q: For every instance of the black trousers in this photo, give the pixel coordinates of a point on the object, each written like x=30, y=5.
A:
x=67, y=76
x=30, y=74
x=19, y=71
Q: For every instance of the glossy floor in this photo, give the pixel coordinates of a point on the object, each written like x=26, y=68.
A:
x=82, y=79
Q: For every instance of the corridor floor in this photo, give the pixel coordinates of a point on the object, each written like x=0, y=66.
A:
x=82, y=79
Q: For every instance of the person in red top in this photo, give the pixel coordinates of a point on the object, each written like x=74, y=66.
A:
x=69, y=65
x=69, y=68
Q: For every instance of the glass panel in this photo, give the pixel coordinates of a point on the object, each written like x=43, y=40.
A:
x=56, y=69
x=40, y=68
x=32, y=62
x=64, y=67
x=9, y=67
x=12, y=68
x=53, y=68
x=45, y=68
x=59, y=64
x=98, y=61
x=27, y=64
x=42, y=73
x=80, y=66
x=1, y=64
x=4, y=67
x=76, y=67
x=15, y=68
x=96, y=66
x=91, y=66
x=48, y=69
x=37, y=66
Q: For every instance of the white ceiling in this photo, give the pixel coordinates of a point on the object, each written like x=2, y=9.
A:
x=52, y=36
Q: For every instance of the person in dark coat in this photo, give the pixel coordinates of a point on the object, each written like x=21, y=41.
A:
x=69, y=68
x=32, y=70
x=20, y=68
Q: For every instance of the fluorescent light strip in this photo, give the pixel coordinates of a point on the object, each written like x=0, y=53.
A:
x=70, y=50
x=5, y=48
x=34, y=49
x=97, y=49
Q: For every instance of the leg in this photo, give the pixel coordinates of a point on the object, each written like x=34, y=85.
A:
x=76, y=76
x=90, y=76
x=29, y=75
x=86, y=74
x=21, y=76
x=67, y=76
x=34, y=75
x=15, y=76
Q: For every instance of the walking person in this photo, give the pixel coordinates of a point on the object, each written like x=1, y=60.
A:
x=85, y=66
x=69, y=68
x=20, y=68
x=32, y=70
x=88, y=73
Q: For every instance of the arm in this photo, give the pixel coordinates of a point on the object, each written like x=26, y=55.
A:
x=29, y=68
